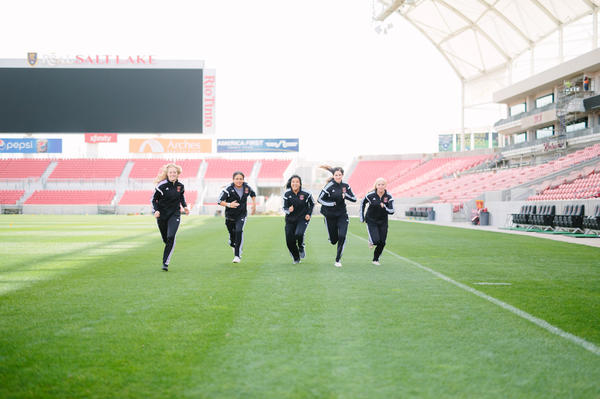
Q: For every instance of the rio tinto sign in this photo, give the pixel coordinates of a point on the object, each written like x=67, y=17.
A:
x=209, y=88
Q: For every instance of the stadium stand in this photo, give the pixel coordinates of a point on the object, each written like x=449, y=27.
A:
x=144, y=197
x=579, y=185
x=223, y=168
x=71, y=197
x=88, y=169
x=149, y=168
x=457, y=190
x=366, y=172
x=10, y=197
x=23, y=168
x=434, y=169
x=273, y=168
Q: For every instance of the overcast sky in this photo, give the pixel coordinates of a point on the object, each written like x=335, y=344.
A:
x=315, y=69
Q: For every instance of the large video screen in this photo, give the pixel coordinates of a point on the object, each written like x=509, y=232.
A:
x=64, y=100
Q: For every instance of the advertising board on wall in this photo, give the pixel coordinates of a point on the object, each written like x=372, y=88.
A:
x=30, y=145
x=158, y=146
x=258, y=145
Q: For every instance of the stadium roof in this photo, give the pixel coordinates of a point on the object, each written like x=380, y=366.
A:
x=481, y=37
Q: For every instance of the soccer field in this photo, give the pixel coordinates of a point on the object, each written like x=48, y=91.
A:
x=85, y=311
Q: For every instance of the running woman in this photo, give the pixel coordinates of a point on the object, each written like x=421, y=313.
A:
x=234, y=198
x=298, y=206
x=167, y=200
x=333, y=206
x=381, y=205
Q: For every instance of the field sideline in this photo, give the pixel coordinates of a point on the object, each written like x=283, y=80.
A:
x=86, y=312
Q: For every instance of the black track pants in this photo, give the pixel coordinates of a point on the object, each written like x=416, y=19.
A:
x=168, y=228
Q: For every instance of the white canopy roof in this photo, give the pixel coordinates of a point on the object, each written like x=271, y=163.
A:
x=482, y=36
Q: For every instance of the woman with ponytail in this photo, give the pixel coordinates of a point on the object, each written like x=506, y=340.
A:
x=333, y=206
x=298, y=206
x=166, y=203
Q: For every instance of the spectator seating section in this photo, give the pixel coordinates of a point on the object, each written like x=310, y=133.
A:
x=76, y=169
x=71, y=197
x=577, y=185
x=23, y=168
x=572, y=217
x=364, y=175
x=593, y=222
x=545, y=216
x=149, y=168
x=223, y=168
x=273, y=168
x=469, y=186
x=434, y=169
x=10, y=197
x=144, y=197
x=418, y=212
x=525, y=215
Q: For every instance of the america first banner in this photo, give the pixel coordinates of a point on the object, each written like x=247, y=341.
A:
x=258, y=145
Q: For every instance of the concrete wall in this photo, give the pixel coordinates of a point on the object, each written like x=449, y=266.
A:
x=60, y=209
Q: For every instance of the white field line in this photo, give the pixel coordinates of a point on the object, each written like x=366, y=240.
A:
x=535, y=320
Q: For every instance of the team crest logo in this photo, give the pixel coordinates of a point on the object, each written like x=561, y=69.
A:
x=178, y=189
x=32, y=58
x=246, y=190
x=301, y=197
x=385, y=200
x=344, y=190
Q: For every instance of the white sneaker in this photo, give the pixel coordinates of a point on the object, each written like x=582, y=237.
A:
x=376, y=262
x=337, y=264
x=236, y=259
x=296, y=262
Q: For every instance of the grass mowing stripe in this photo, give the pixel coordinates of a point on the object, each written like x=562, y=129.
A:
x=541, y=323
x=265, y=328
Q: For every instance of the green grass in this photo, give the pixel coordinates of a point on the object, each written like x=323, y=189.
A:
x=85, y=312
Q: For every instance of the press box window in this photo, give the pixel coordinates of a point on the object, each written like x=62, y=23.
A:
x=577, y=125
x=544, y=132
x=545, y=100
x=520, y=137
x=518, y=109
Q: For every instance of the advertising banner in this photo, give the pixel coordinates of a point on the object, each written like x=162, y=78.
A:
x=258, y=145
x=463, y=146
x=30, y=145
x=209, y=90
x=158, y=146
x=95, y=138
x=444, y=142
x=481, y=140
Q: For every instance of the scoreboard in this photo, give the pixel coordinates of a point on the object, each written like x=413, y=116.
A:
x=102, y=99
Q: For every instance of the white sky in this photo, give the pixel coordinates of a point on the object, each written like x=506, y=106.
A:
x=314, y=69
